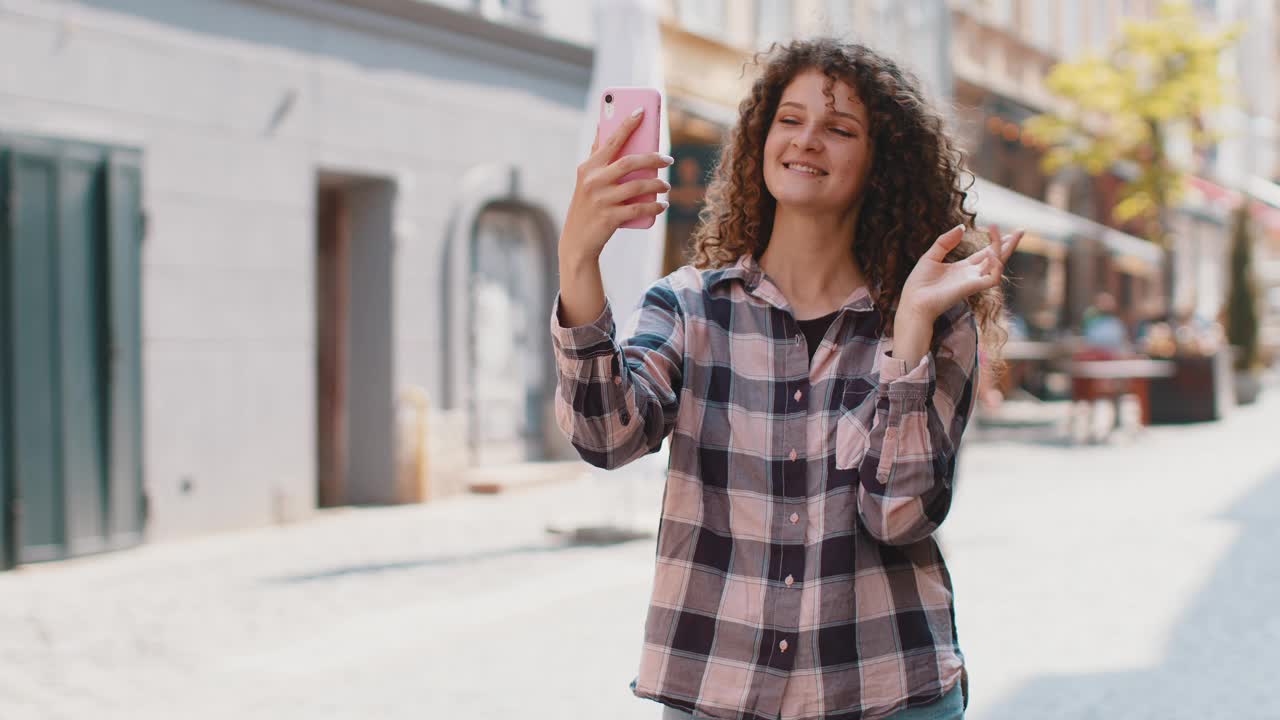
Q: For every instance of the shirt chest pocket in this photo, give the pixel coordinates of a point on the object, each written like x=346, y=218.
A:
x=853, y=426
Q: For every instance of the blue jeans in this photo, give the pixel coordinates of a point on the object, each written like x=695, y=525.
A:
x=949, y=707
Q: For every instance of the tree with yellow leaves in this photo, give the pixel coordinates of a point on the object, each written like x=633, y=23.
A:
x=1156, y=83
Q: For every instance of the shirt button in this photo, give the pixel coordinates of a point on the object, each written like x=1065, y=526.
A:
x=795, y=518
x=793, y=454
x=790, y=581
x=798, y=395
x=782, y=646
x=800, y=339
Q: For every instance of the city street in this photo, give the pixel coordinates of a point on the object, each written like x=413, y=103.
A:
x=259, y=257
x=1132, y=580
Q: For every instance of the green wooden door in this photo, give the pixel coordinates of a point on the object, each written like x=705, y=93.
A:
x=35, y=412
x=81, y=347
x=8, y=502
x=70, y=417
x=126, y=501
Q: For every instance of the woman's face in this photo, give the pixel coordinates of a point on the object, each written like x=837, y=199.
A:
x=817, y=152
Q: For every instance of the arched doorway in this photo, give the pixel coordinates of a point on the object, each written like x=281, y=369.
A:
x=509, y=294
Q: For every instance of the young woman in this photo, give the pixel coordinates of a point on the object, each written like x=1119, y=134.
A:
x=814, y=368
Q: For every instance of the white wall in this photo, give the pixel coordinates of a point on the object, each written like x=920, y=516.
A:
x=237, y=106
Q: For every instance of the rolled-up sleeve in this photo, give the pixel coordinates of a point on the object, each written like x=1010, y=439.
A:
x=617, y=401
x=906, y=478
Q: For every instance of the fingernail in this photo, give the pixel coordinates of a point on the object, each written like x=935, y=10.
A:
x=637, y=111
x=668, y=159
x=664, y=204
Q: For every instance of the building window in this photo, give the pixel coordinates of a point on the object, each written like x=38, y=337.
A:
x=704, y=17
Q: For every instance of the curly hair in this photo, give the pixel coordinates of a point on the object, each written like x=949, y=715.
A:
x=913, y=191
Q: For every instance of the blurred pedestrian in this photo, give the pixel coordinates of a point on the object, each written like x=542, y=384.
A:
x=1102, y=327
x=814, y=368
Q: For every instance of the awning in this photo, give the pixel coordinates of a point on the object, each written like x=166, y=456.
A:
x=1052, y=226
x=1046, y=233
x=1266, y=205
x=1123, y=244
x=1264, y=190
x=996, y=205
x=1212, y=193
x=1036, y=244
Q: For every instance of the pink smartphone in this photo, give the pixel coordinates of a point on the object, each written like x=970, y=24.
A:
x=616, y=105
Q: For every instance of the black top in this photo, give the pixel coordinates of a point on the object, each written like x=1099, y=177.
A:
x=814, y=330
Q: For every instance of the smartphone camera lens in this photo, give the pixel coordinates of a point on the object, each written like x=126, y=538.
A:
x=608, y=98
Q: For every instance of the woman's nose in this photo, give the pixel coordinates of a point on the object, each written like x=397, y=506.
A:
x=806, y=139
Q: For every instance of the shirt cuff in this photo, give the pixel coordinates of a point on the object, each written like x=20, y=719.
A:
x=584, y=341
x=898, y=380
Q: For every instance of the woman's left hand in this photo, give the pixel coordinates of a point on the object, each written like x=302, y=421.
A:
x=935, y=284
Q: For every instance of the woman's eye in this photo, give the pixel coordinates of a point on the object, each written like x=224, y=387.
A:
x=842, y=133
x=789, y=121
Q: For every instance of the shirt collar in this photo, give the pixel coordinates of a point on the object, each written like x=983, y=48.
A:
x=756, y=282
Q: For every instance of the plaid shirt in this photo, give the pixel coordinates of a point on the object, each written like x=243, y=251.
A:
x=796, y=572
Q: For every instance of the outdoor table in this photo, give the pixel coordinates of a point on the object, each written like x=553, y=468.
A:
x=1110, y=379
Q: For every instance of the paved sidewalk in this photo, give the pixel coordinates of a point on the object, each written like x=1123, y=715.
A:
x=1132, y=582
x=1120, y=581
x=379, y=612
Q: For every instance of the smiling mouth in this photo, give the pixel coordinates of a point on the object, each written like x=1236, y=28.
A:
x=804, y=169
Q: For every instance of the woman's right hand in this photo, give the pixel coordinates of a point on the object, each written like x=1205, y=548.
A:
x=597, y=210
